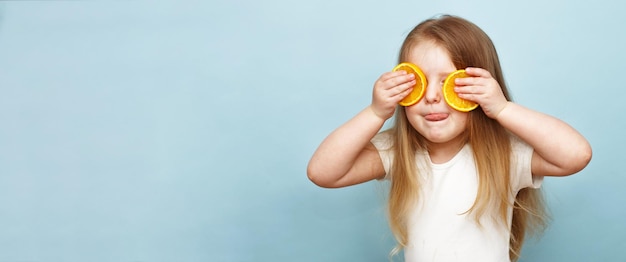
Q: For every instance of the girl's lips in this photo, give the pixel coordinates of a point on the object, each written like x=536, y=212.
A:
x=436, y=116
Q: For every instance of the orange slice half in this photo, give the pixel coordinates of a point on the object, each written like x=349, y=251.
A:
x=419, y=87
x=452, y=98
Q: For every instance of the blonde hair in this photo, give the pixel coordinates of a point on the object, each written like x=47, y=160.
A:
x=467, y=45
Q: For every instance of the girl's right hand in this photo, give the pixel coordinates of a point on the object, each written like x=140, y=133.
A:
x=390, y=89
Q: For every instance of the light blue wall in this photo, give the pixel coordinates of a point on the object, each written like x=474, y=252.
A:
x=180, y=131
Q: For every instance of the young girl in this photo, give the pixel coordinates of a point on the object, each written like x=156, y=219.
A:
x=464, y=185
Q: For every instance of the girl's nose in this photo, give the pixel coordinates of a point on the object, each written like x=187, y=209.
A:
x=433, y=94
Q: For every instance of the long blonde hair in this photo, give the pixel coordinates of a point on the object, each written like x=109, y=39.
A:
x=467, y=45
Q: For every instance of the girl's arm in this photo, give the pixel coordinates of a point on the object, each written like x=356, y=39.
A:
x=347, y=157
x=559, y=149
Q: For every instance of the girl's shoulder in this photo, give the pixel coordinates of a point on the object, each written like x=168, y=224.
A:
x=383, y=141
x=518, y=146
x=521, y=165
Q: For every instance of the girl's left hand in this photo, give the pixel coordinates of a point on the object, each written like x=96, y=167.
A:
x=483, y=89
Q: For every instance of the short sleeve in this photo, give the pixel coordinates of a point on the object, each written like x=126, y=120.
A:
x=521, y=173
x=383, y=143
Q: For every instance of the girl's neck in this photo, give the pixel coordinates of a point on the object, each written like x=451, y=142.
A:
x=443, y=152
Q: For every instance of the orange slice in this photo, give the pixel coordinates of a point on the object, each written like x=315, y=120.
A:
x=419, y=87
x=452, y=98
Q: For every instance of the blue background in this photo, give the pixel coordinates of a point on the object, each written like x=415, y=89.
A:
x=181, y=131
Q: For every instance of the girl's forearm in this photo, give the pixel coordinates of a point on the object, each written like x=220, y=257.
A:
x=554, y=140
x=338, y=152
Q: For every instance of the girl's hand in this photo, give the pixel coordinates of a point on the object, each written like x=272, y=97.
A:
x=390, y=89
x=483, y=89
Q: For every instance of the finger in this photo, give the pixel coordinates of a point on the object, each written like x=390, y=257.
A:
x=473, y=93
x=399, y=80
x=467, y=81
x=404, y=87
x=467, y=90
x=477, y=72
x=470, y=96
x=403, y=94
x=400, y=91
x=389, y=75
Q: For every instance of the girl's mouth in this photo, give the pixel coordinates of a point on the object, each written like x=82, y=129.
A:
x=436, y=116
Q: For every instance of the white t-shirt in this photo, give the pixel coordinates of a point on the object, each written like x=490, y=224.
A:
x=440, y=229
